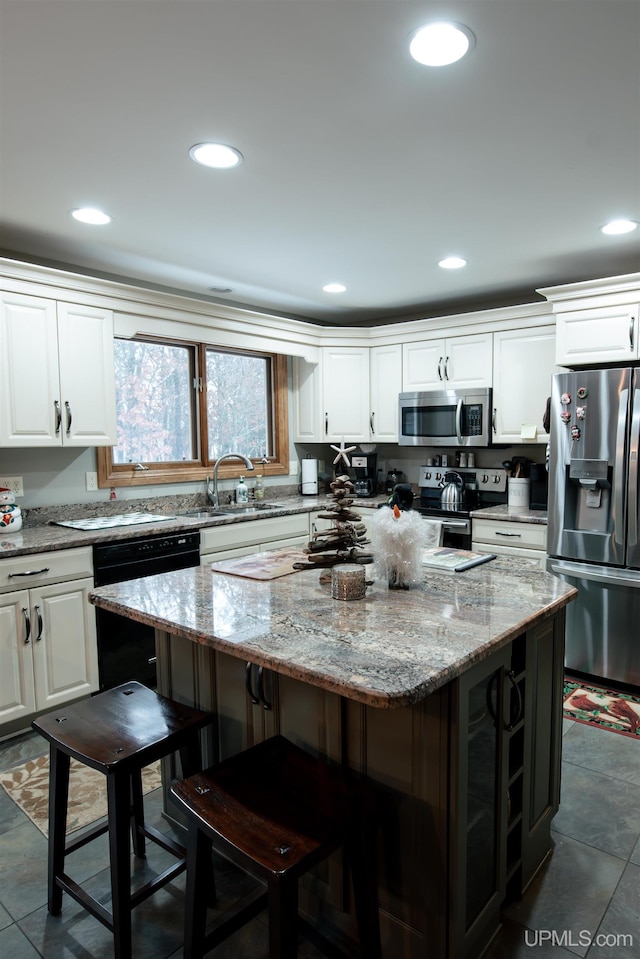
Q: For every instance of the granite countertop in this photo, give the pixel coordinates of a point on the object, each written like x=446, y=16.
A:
x=390, y=649
x=512, y=513
x=40, y=537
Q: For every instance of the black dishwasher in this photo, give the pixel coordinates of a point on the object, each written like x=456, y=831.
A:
x=126, y=649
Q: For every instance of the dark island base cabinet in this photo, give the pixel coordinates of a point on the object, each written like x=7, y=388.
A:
x=468, y=781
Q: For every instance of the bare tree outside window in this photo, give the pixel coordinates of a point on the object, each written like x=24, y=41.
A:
x=238, y=406
x=154, y=403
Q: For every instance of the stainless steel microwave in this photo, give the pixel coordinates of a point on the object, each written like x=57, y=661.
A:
x=445, y=418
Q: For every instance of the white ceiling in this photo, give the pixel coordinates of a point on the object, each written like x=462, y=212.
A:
x=361, y=166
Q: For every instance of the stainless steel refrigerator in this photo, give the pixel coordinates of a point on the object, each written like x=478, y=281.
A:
x=593, y=538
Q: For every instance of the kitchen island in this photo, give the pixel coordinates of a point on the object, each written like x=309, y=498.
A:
x=447, y=697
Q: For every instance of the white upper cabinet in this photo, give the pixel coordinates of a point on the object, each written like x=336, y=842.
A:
x=307, y=401
x=57, y=386
x=385, y=371
x=345, y=393
x=457, y=361
x=603, y=335
x=351, y=393
x=524, y=362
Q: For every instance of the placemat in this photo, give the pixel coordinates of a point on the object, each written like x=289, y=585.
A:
x=268, y=565
x=117, y=519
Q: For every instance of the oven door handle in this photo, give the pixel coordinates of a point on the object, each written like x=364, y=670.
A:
x=452, y=524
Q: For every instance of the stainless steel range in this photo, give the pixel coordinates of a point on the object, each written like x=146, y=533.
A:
x=480, y=488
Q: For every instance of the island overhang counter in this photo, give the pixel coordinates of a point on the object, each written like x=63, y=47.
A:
x=446, y=696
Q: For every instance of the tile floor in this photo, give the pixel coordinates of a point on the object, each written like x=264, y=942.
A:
x=590, y=887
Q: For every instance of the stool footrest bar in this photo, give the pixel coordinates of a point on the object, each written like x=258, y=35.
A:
x=92, y=905
x=226, y=927
x=86, y=837
x=164, y=841
x=157, y=882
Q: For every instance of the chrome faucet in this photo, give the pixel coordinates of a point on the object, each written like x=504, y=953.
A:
x=212, y=482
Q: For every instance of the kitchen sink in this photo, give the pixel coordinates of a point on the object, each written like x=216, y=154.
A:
x=243, y=509
x=231, y=509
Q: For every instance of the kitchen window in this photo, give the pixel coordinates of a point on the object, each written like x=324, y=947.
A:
x=181, y=405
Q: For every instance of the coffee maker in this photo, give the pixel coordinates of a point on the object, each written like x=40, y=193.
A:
x=365, y=466
x=539, y=489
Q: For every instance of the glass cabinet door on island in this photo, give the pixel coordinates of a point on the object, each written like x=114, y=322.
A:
x=480, y=790
x=505, y=779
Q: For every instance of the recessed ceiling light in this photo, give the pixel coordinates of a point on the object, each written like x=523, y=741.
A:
x=437, y=44
x=88, y=214
x=216, y=155
x=452, y=263
x=334, y=288
x=616, y=227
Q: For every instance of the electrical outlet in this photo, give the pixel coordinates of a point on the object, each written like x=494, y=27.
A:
x=321, y=466
x=293, y=468
x=91, y=481
x=14, y=483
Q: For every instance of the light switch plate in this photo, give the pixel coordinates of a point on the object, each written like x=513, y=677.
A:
x=293, y=468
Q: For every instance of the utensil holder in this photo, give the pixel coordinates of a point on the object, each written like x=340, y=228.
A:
x=518, y=493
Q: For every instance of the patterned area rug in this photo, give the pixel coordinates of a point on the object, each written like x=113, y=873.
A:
x=598, y=706
x=28, y=786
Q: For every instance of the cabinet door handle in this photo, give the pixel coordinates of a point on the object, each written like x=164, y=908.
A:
x=371, y=424
x=446, y=369
x=632, y=321
x=27, y=625
x=326, y=424
x=29, y=572
x=56, y=406
x=440, y=376
x=248, y=686
x=263, y=699
x=490, y=708
x=493, y=420
x=40, y=624
x=517, y=535
x=514, y=715
x=67, y=407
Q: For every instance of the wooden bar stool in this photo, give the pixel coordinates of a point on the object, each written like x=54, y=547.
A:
x=117, y=732
x=276, y=811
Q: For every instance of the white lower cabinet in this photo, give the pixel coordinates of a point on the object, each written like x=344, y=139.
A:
x=524, y=540
x=255, y=536
x=48, y=651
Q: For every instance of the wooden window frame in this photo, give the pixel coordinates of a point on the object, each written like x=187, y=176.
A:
x=123, y=475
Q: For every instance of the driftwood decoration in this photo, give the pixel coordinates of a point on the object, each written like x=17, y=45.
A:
x=345, y=540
